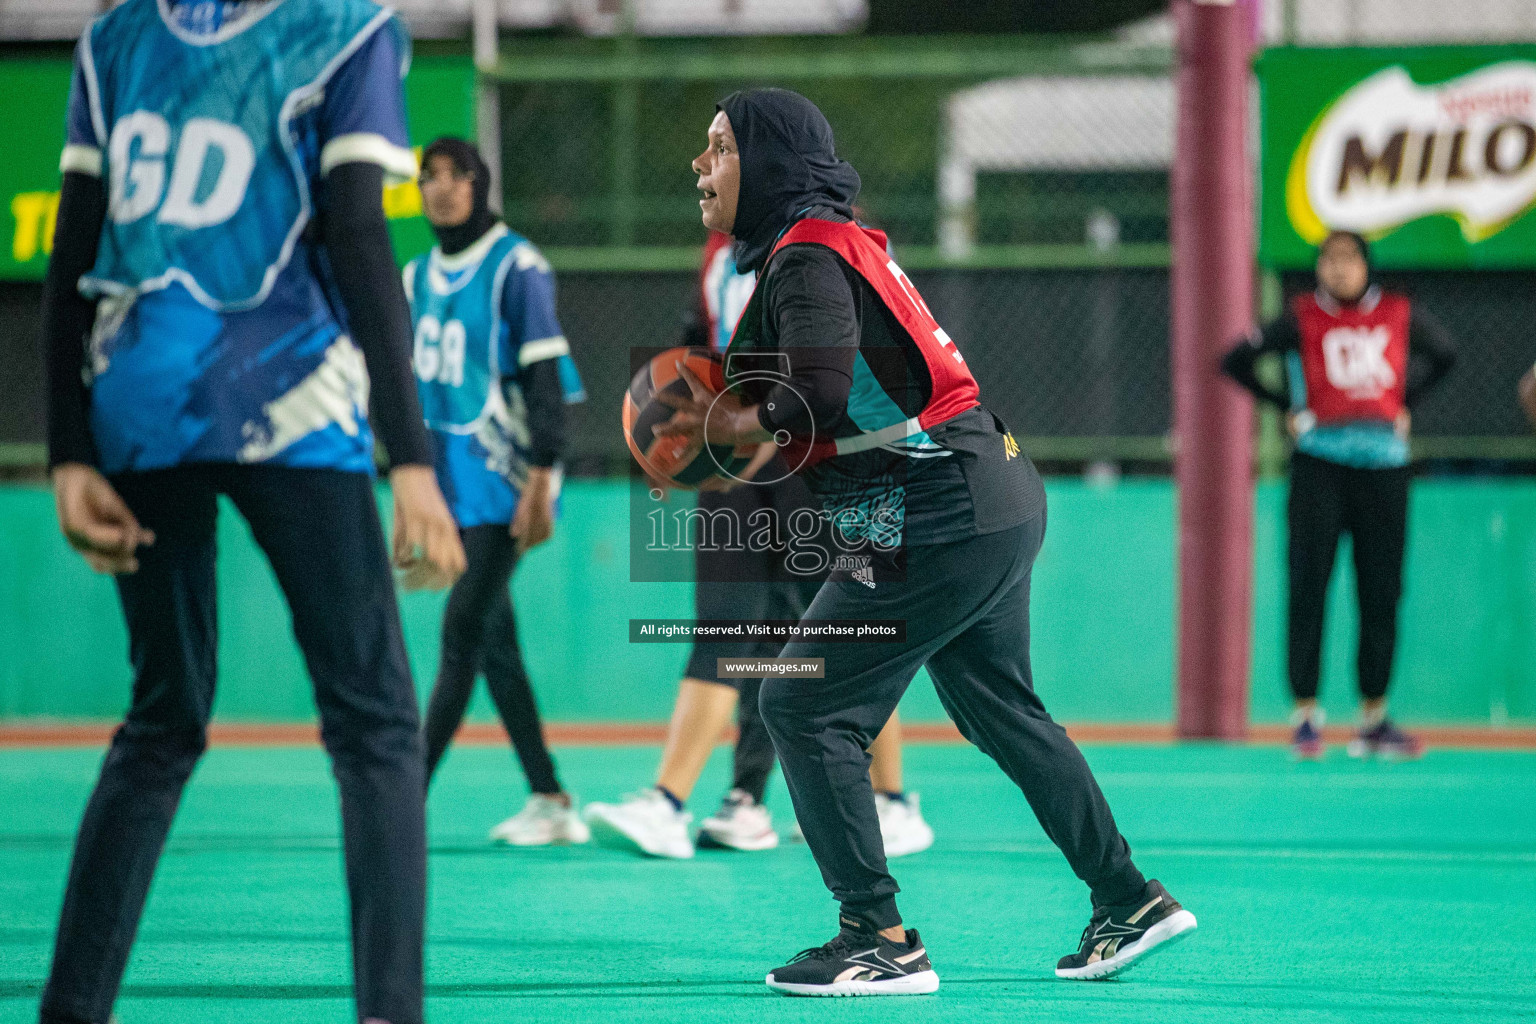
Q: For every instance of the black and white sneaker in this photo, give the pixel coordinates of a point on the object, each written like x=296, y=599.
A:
x=858, y=962
x=1118, y=937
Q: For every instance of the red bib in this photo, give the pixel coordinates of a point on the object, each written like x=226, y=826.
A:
x=1354, y=358
x=954, y=389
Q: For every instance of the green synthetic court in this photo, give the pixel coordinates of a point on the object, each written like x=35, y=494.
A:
x=1331, y=892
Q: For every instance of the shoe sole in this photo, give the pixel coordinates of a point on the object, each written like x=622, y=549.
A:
x=1166, y=932
x=552, y=841
x=919, y=984
x=709, y=840
x=907, y=849
x=607, y=834
x=1364, y=752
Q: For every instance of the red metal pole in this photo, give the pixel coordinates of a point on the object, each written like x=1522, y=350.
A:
x=1212, y=219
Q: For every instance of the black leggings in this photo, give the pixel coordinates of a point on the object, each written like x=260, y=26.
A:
x=479, y=632
x=1326, y=500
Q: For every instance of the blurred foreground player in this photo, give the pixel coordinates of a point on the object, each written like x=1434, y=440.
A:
x=223, y=278
x=741, y=585
x=1356, y=359
x=494, y=373
x=886, y=418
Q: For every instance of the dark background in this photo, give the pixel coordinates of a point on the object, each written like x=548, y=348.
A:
x=1058, y=353
x=905, y=17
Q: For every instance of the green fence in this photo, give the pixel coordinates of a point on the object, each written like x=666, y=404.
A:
x=597, y=136
x=1060, y=304
x=1102, y=619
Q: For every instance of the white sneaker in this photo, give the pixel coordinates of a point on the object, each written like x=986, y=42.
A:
x=902, y=826
x=741, y=823
x=543, y=821
x=644, y=821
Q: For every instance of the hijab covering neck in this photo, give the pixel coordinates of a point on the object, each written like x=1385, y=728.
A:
x=789, y=168
x=455, y=238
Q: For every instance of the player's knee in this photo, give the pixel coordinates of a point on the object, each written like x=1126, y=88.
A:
x=461, y=631
x=373, y=742
x=371, y=727
x=775, y=703
x=1379, y=611
x=504, y=661
x=168, y=750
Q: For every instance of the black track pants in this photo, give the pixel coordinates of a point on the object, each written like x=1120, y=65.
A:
x=320, y=531
x=966, y=606
x=1326, y=500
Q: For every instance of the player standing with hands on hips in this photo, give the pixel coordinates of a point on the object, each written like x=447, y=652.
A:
x=233, y=311
x=884, y=419
x=1356, y=359
x=494, y=373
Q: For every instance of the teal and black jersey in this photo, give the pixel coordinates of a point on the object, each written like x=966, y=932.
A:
x=213, y=124
x=483, y=317
x=883, y=419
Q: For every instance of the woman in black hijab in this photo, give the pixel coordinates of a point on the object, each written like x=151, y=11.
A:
x=943, y=516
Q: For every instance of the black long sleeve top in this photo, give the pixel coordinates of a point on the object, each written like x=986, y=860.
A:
x=1431, y=355
x=819, y=312
x=545, y=399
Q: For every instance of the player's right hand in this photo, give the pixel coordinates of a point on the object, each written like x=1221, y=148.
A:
x=96, y=521
x=426, y=542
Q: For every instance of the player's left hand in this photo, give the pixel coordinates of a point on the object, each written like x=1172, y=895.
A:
x=1403, y=424
x=719, y=418
x=534, y=521
x=96, y=521
x=426, y=543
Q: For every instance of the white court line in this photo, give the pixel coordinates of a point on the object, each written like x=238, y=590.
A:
x=1409, y=779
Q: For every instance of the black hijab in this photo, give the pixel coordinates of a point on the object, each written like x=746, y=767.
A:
x=788, y=168
x=456, y=238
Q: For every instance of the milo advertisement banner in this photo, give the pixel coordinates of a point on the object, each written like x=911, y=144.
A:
x=1429, y=152
x=34, y=94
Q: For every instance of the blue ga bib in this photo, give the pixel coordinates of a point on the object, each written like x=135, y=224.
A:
x=460, y=336
x=471, y=402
